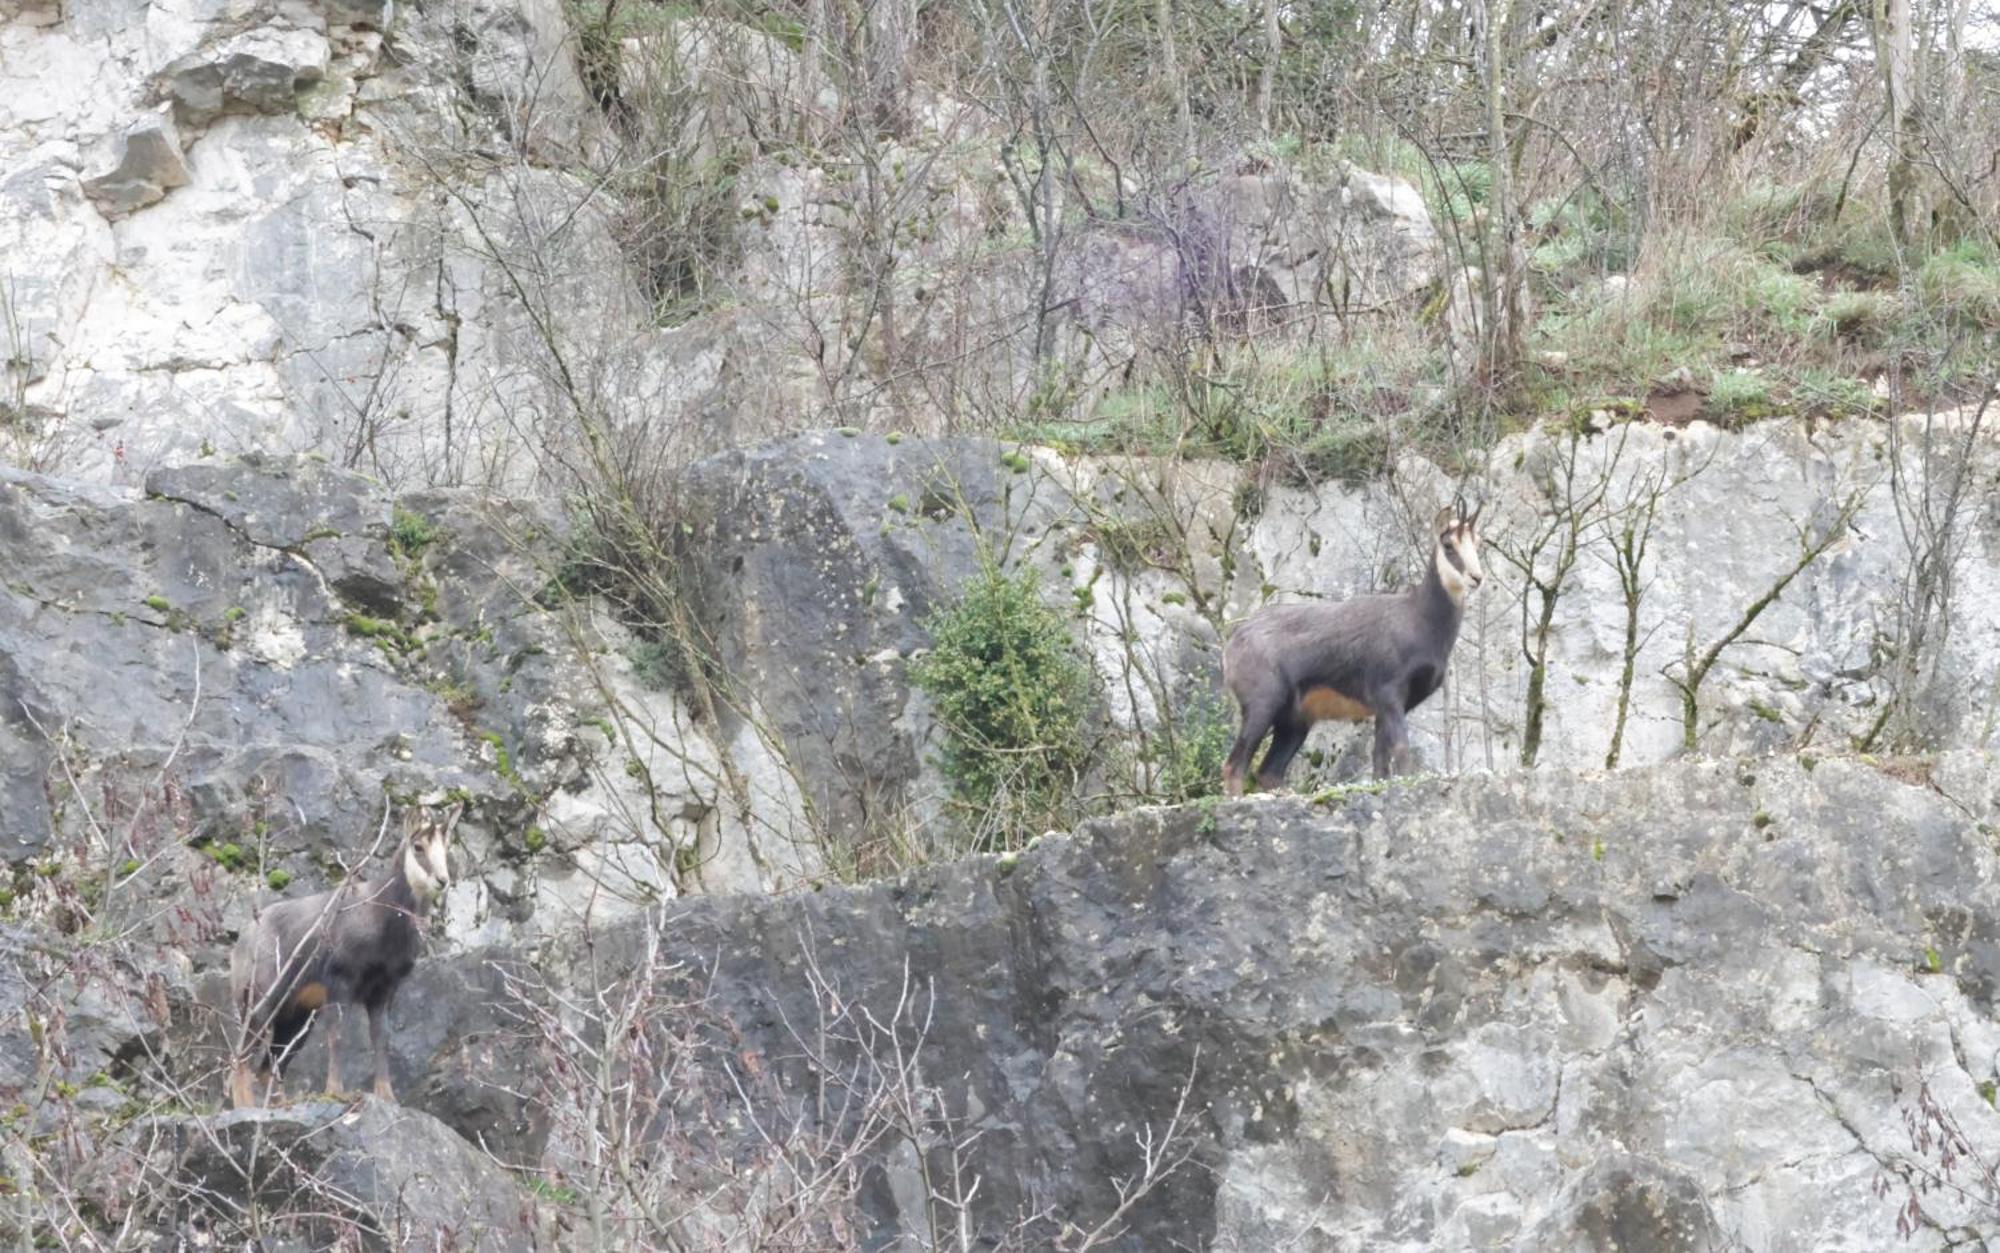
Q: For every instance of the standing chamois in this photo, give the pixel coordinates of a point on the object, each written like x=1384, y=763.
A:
x=1376, y=657
x=353, y=945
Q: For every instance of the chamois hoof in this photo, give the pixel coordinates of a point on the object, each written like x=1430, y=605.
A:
x=384, y=1092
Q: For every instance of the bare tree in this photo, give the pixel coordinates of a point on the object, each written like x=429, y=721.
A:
x=1931, y=473
x=1697, y=663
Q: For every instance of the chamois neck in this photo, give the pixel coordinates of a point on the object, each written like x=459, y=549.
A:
x=1434, y=600
x=398, y=893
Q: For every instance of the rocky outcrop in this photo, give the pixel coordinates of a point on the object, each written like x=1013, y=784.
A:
x=1682, y=1007
x=812, y=564
x=138, y=167
x=259, y=71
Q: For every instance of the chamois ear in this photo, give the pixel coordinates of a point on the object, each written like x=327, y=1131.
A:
x=451, y=818
x=1446, y=519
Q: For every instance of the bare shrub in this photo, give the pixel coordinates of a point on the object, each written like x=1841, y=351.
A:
x=683, y=1132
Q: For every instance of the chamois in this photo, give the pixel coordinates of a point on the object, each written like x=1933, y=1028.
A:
x=352, y=945
x=1376, y=657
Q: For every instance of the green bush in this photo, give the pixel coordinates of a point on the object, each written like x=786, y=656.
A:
x=661, y=665
x=1011, y=690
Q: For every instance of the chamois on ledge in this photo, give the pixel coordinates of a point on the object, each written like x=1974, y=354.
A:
x=1380, y=656
x=352, y=945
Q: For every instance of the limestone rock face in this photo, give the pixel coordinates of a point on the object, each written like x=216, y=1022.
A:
x=279, y=262
x=392, y=235
x=1725, y=517
x=815, y=564
x=280, y=643
x=817, y=559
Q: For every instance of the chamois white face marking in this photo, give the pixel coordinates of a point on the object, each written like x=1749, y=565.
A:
x=1457, y=555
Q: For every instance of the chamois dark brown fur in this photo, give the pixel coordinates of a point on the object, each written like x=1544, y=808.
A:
x=1290, y=666
x=353, y=945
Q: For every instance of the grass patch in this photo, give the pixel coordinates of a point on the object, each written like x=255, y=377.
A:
x=410, y=533
x=1961, y=286
x=1306, y=413
x=1739, y=396
x=1859, y=317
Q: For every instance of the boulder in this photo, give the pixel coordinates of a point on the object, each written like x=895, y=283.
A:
x=369, y=1172
x=138, y=167
x=259, y=71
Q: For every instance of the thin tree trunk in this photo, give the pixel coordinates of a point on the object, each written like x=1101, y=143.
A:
x=891, y=28
x=1170, y=63
x=812, y=65
x=1267, y=76
x=1502, y=330
x=1895, y=47
x=1538, y=678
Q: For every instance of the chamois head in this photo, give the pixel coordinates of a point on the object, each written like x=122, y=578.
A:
x=426, y=854
x=1457, y=555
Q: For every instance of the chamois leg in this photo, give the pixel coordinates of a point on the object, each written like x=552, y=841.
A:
x=1259, y=715
x=378, y=1035
x=332, y=1033
x=242, y=1083
x=251, y=1043
x=1392, y=743
x=1285, y=744
x=287, y=1029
